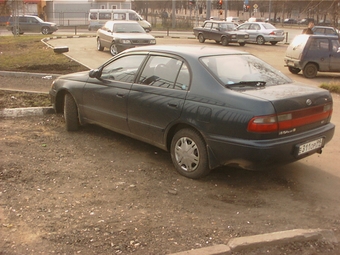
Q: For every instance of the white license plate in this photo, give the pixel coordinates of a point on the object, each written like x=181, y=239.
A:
x=310, y=146
x=241, y=40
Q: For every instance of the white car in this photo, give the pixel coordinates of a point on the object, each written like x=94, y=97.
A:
x=262, y=32
x=118, y=35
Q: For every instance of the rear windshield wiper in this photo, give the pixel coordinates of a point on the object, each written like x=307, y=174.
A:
x=256, y=84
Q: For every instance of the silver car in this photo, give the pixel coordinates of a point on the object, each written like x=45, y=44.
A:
x=120, y=35
x=262, y=32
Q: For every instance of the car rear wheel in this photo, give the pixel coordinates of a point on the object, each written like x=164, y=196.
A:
x=113, y=49
x=273, y=43
x=201, y=38
x=189, y=154
x=294, y=70
x=225, y=41
x=310, y=70
x=45, y=30
x=260, y=40
x=70, y=113
x=99, y=45
x=16, y=31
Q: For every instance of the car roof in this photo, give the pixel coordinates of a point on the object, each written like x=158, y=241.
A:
x=323, y=27
x=219, y=21
x=186, y=50
x=317, y=36
x=122, y=22
x=24, y=16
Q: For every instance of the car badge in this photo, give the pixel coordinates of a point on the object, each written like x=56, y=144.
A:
x=308, y=102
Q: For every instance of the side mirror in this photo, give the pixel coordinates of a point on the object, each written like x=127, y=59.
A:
x=95, y=73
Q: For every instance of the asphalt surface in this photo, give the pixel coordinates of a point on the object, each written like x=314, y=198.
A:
x=235, y=244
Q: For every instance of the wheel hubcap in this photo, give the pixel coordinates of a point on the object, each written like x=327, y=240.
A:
x=187, y=154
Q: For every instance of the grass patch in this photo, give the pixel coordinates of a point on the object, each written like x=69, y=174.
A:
x=14, y=99
x=28, y=54
x=332, y=87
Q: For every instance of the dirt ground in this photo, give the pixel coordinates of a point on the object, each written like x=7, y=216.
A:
x=97, y=192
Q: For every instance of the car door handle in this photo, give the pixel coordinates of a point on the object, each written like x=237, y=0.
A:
x=172, y=105
x=120, y=95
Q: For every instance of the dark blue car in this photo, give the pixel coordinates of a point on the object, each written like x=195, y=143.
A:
x=208, y=106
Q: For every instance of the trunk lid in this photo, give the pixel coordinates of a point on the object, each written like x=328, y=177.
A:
x=298, y=107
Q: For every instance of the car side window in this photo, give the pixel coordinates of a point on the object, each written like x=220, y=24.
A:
x=253, y=27
x=165, y=72
x=335, y=46
x=207, y=25
x=319, y=44
x=330, y=32
x=123, y=69
x=215, y=26
x=243, y=27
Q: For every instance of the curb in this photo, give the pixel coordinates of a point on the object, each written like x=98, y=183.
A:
x=275, y=238
x=28, y=111
x=23, y=74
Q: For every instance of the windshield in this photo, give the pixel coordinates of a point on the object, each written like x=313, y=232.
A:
x=227, y=27
x=240, y=69
x=128, y=28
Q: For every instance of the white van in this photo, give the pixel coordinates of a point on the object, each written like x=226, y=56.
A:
x=98, y=17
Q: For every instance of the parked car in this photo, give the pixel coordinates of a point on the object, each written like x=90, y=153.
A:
x=305, y=21
x=322, y=30
x=313, y=54
x=262, y=32
x=208, y=106
x=120, y=35
x=290, y=21
x=220, y=31
x=30, y=24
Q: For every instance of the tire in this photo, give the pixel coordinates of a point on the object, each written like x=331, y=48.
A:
x=242, y=43
x=273, y=43
x=16, y=31
x=45, y=31
x=70, y=113
x=310, y=70
x=201, y=38
x=113, y=49
x=260, y=40
x=99, y=45
x=189, y=154
x=225, y=41
x=294, y=70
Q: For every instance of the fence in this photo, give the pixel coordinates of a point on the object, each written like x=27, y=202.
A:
x=156, y=20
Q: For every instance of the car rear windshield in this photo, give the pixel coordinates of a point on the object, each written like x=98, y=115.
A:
x=237, y=69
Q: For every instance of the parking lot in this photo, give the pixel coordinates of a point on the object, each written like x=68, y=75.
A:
x=97, y=192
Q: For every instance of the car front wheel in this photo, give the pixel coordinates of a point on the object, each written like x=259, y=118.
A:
x=201, y=38
x=113, y=49
x=45, y=30
x=310, y=70
x=225, y=41
x=242, y=44
x=189, y=154
x=294, y=70
x=273, y=43
x=99, y=45
x=260, y=40
x=70, y=113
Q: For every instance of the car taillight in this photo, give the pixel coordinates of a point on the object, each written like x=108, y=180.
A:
x=289, y=120
x=273, y=33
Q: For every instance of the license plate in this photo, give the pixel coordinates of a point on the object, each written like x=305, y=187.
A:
x=240, y=40
x=310, y=146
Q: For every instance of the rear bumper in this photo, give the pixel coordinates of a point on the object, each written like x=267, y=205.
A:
x=261, y=154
